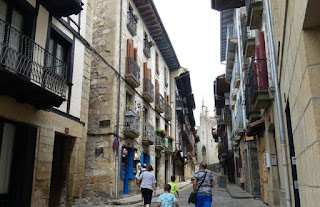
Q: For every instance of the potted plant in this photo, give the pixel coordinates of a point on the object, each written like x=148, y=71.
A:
x=135, y=17
x=130, y=106
x=151, y=43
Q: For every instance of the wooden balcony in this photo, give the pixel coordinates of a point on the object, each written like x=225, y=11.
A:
x=249, y=47
x=159, y=103
x=132, y=72
x=159, y=143
x=234, y=96
x=236, y=82
x=254, y=14
x=148, y=90
x=148, y=134
x=253, y=115
x=28, y=72
x=132, y=24
x=168, y=112
x=132, y=124
x=62, y=7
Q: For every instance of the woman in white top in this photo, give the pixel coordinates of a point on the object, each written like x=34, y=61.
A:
x=148, y=185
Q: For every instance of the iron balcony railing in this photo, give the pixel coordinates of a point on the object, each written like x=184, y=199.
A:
x=148, y=133
x=147, y=48
x=20, y=55
x=227, y=112
x=159, y=104
x=238, y=120
x=132, y=124
x=168, y=112
x=168, y=148
x=148, y=89
x=133, y=70
x=159, y=142
x=132, y=23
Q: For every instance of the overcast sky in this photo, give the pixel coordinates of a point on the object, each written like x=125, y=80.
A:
x=194, y=31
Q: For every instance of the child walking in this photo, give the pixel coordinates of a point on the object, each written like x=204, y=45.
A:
x=174, y=187
x=166, y=199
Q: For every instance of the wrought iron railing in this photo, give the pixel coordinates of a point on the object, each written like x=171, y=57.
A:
x=169, y=147
x=132, y=122
x=238, y=120
x=148, y=87
x=159, y=103
x=168, y=112
x=20, y=55
x=148, y=132
x=132, y=23
x=133, y=69
x=159, y=141
x=227, y=112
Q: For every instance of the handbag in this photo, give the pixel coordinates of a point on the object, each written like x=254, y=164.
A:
x=193, y=195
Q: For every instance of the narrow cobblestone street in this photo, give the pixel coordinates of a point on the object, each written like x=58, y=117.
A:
x=220, y=199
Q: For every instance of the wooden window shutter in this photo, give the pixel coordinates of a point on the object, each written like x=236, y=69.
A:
x=145, y=70
x=135, y=54
x=130, y=49
x=165, y=97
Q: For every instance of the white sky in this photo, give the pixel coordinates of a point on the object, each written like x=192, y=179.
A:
x=194, y=30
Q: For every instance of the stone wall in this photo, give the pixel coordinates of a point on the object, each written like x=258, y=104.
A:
x=299, y=80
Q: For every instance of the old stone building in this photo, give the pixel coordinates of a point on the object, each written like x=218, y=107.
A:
x=44, y=99
x=130, y=103
x=277, y=45
x=296, y=36
x=207, y=147
x=185, y=153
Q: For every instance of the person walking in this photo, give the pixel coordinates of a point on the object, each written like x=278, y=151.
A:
x=166, y=199
x=148, y=185
x=174, y=187
x=203, y=179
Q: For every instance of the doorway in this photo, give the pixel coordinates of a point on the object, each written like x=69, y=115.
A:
x=292, y=157
x=63, y=146
x=17, y=153
x=166, y=170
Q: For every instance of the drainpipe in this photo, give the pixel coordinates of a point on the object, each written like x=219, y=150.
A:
x=118, y=157
x=277, y=98
x=244, y=115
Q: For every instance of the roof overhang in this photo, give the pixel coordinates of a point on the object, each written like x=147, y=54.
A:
x=152, y=20
x=222, y=5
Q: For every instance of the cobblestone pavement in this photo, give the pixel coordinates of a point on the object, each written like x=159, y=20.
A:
x=220, y=199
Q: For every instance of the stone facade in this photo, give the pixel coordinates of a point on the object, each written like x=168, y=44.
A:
x=299, y=41
x=112, y=96
x=207, y=148
x=67, y=125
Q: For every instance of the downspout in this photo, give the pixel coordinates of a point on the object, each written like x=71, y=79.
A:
x=244, y=115
x=278, y=99
x=118, y=158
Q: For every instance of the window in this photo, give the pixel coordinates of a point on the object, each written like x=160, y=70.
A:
x=166, y=77
x=157, y=123
x=59, y=49
x=157, y=63
x=145, y=115
x=20, y=21
x=129, y=103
